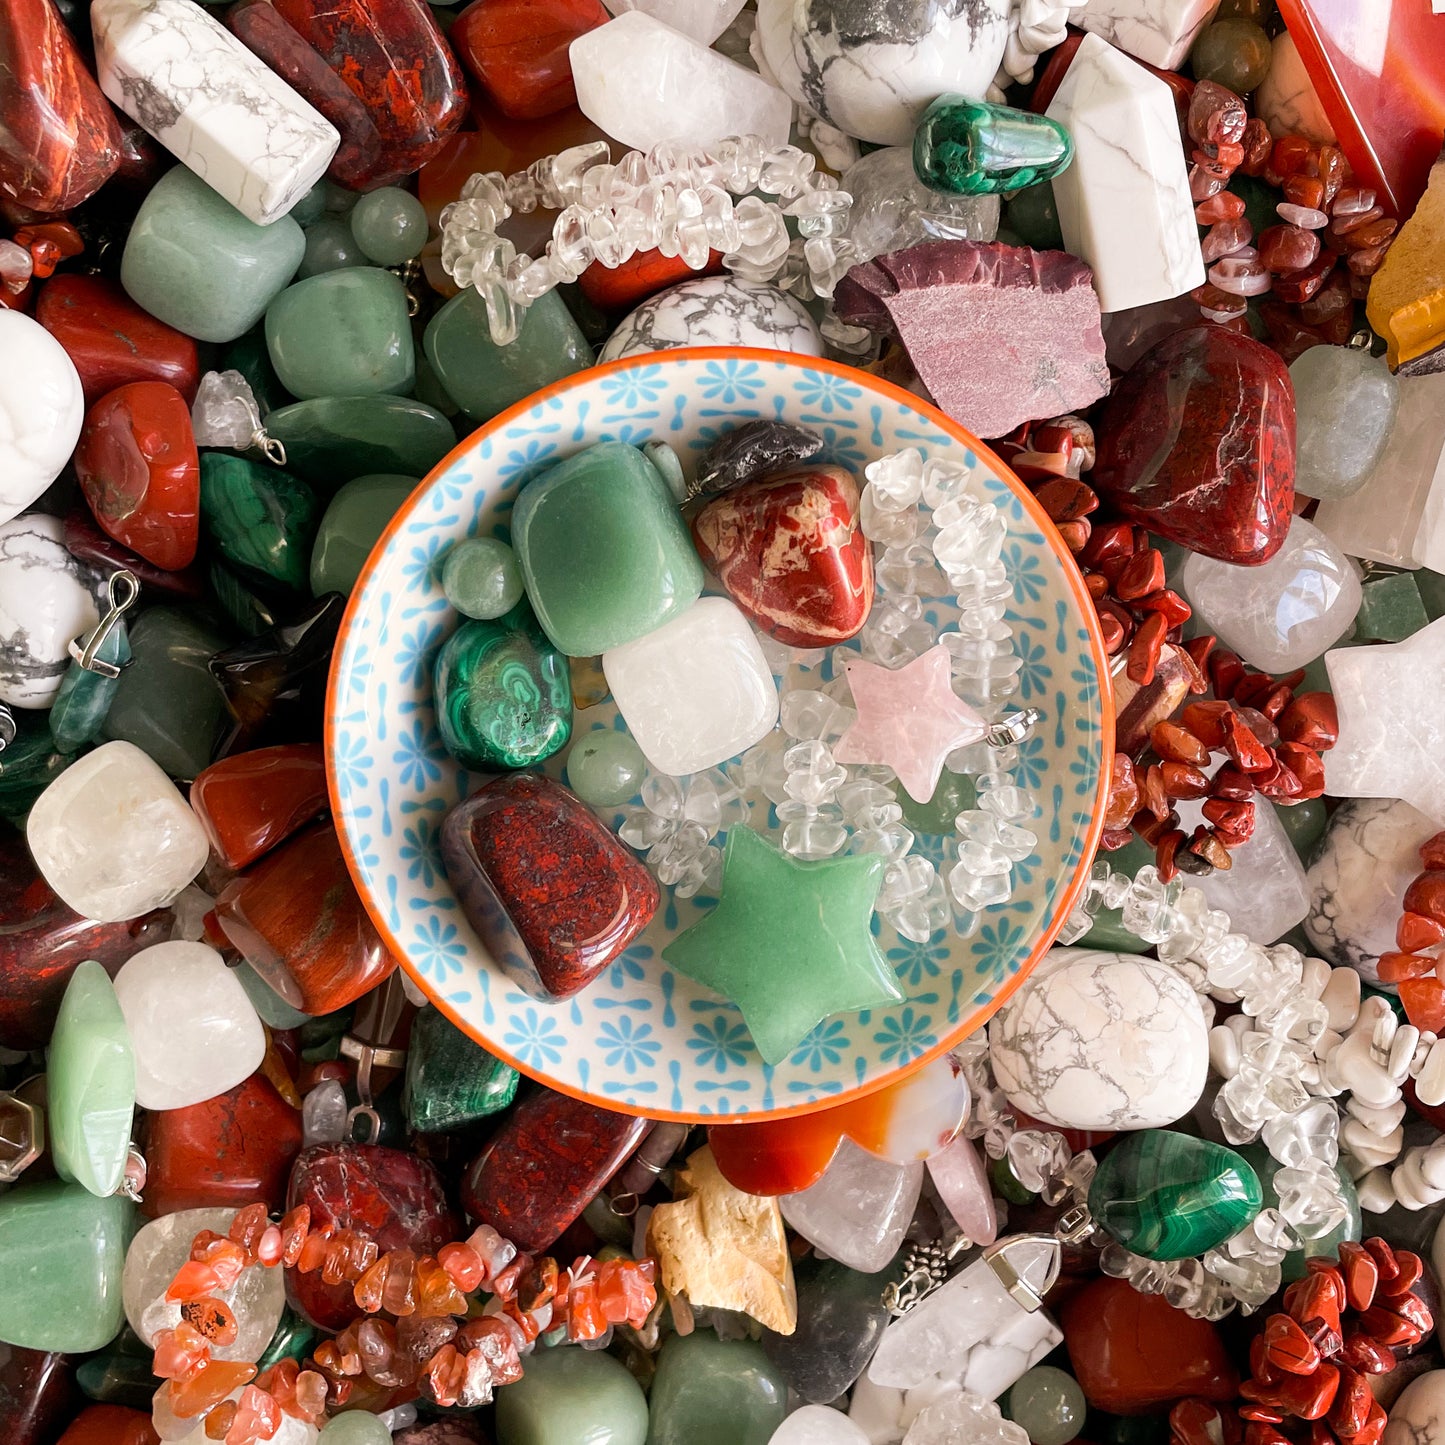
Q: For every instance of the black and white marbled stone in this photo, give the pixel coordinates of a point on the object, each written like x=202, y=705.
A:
x=1159, y=32
x=871, y=67
x=41, y=410
x=1101, y=1041
x=716, y=311
x=45, y=600
x=1361, y=869
x=181, y=75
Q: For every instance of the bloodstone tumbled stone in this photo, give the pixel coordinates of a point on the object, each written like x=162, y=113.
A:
x=1197, y=443
x=552, y=892
x=392, y=1198
x=999, y=334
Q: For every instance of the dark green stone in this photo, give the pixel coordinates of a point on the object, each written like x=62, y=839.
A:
x=262, y=520
x=1033, y=214
x=331, y=440
x=117, y=1379
x=1328, y=1245
x=1006, y=1183
x=954, y=794
x=85, y=696
x=1432, y=592
x=709, y=1391
x=1304, y=823
x=1233, y=53
x=1108, y=932
x=293, y=1340
x=29, y=765
x=1167, y=1196
x=451, y=1080
x=249, y=356
x=1391, y=608
x=503, y=693
x=975, y=148
x=253, y=615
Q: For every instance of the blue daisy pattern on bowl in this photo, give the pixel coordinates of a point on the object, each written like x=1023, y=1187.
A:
x=642, y=1037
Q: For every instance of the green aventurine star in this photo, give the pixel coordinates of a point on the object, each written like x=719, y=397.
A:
x=789, y=941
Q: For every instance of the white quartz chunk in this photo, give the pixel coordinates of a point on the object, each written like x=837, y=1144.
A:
x=1345, y=406
x=703, y=20
x=1124, y=204
x=859, y=1210
x=1158, y=32
x=113, y=836
x=818, y=1425
x=41, y=409
x=185, y=79
x=1285, y=613
x=696, y=691
x=643, y=82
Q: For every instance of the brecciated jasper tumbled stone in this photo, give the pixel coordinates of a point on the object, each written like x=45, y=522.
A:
x=553, y=894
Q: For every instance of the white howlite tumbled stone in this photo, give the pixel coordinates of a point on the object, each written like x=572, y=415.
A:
x=113, y=836
x=192, y=1025
x=1158, y=32
x=44, y=604
x=1345, y=406
x=643, y=82
x=1284, y=613
x=1124, y=205
x=257, y=1298
x=1101, y=1041
x=186, y=80
x=41, y=409
x=1368, y=857
x=696, y=691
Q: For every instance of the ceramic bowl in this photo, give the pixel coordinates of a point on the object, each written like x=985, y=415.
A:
x=641, y=1038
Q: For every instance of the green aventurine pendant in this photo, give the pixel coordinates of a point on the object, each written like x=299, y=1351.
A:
x=973, y=148
x=1167, y=1196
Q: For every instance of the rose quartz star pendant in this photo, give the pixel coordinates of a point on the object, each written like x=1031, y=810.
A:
x=909, y=719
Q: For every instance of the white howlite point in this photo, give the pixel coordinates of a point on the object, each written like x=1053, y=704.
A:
x=643, y=83
x=187, y=81
x=1124, y=204
x=41, y=410
x=1159, y=32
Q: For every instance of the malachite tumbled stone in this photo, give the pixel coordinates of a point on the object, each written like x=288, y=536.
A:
x=481, y=577
x=975, y=148
x=450, y=1079
x=568, y=1395
x=262, y=520
x=351, y=525
x=195, y=262
x=484, y=378
x=709, y=1391
x=605, y=768
x=335, y=438
x=503, y=693
x=90, y=1083
x=85, y=696
x=604, y=551
x=1169, y=1196
x=62, y=1253
x=343, y=333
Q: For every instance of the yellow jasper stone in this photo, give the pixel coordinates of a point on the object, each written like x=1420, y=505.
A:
x=1406, y=304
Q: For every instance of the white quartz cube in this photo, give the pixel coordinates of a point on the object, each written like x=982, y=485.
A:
x=1283, y=614
x=113, y=836
x=695, y=692
x=1124, y=204
x=191, y=1023
x=1159, y=32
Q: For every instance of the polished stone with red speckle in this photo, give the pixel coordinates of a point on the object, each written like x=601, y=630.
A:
x=792, y=555
x=1197, y=443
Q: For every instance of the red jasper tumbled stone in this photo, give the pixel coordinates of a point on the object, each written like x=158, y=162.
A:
x=1197, y=443
x=518, y=50
x=250, y=802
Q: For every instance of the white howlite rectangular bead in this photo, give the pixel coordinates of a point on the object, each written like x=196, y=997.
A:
x=191, y=84
x=1159, y=32
x=1124, y=204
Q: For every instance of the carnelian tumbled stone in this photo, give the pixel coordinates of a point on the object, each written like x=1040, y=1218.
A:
x=251, y=802
x=518, y=50
x=110, y=1425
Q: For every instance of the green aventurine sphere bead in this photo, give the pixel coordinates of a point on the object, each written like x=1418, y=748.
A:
x=974, y=148
x=389, y=225
x=355, y=1427
x=481, y=578
x=1049, y=1404
x=1233, y=53
x=605, y=768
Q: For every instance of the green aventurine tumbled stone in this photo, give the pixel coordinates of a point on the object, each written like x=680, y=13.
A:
x=62, y=1251
x=954, y=794
x=450, y=1080
x=260, y=518
x=572, y=1396
x=709, y=1391
x=1167, y=1196
x=167, y=702
x=975, y=148
x=503, y=693
x=1108, y=932
x=195, y=262
x=604, y=551
x=343, y=333
x=484, y=378
x=85, y=696
x=335, y=438
x=1391, y=608
x=90, y=1083
x=353, y=521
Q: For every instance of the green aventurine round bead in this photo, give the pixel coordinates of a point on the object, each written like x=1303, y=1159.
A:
x=355, y=1427
x=572, y=1396
x=260, y=518
x=389, y=225
x=974, y=148
x=481, y=578
x=330, y=246
x=504, y=693
x=709, y=1391
x=1049, y=1404
x=1168, y=1196
x=605, y=768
